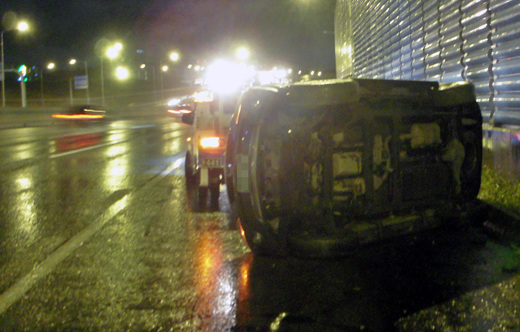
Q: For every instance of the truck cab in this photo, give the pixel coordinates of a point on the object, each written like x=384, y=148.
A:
x=205, y=158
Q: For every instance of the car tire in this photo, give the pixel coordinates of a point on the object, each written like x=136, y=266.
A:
x=233, y=216
x=261, y=242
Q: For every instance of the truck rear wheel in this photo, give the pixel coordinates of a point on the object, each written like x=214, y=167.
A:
x=214, y=190
x=202, y=198
x=192, y=183
x=191, y=176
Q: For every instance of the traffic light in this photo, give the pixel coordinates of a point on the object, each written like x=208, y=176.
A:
x=33, y=74
x=22, y=72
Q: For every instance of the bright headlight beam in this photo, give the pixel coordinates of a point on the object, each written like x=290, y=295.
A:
x=224, y=76
x=243, y=53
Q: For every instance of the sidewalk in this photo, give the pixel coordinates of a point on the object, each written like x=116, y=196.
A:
x=12, y=117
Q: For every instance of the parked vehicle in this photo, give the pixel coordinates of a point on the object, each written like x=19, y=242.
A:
x=205, y=158
x=317, y=168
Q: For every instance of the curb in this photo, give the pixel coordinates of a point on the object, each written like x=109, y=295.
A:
x=502, y=223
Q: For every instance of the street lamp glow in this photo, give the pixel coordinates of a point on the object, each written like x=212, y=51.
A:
x=164, y=68
x=122, y=73
x=112, y=52
x=143, y=66
x=72, y=61
x=174, y=56
x=224, y=76
x=51, y=65
x=243, y=53
x=22, y=26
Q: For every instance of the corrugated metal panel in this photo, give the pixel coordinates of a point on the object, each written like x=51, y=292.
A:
x=361, y=58
x=475, y=45
x=343, y=38
x=394, y=49
x=450, y=41
x=386, y=42
x=432, y=49
x=417, y=26
x=442, y=40
x=506, y=56
x=405, y=40
x=369, y=50
x=378, y=28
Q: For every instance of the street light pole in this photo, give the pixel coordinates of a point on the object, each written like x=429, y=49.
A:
x=22, y=26
x=88, y=86
x=50, y=66
x=102, y=84
x=111, y=52
x=41, y=86
x=3, y=69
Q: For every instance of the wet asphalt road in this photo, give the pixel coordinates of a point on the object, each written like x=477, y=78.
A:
x=96, y=234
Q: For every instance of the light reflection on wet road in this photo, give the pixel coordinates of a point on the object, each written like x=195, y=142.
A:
x=156, y=265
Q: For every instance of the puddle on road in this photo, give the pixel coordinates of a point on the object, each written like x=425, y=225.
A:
x=369, y=290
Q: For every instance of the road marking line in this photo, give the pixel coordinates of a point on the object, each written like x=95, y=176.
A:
x=58, y=155
x=22, y=286
x=18, y=289
x=62, y=154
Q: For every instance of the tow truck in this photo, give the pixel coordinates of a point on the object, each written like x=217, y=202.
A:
x=208, y=114
x=321, y=167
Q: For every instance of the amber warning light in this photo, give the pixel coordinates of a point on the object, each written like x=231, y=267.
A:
x=212, y=142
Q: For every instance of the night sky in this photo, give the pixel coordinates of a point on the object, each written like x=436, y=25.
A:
x=290, y=32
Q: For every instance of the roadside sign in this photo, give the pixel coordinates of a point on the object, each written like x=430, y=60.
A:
x=80, y=82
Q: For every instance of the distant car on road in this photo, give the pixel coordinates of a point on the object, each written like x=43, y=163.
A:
x=81, y=113
x=177, y=107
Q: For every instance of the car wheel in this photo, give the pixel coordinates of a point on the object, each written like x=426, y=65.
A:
x=233, y=216
x=261, y=243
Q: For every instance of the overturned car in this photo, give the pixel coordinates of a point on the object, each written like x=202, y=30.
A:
x=316, y=168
